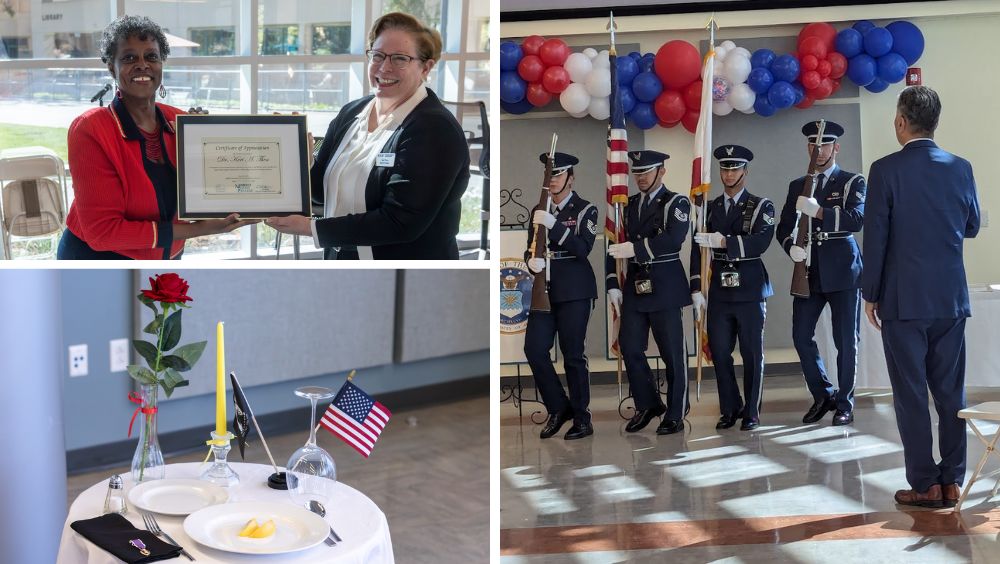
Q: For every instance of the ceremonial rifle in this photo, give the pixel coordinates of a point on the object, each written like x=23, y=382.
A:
x=800, y=235
x=540, y=287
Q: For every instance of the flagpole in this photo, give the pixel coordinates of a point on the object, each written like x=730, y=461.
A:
x=349, y=378
x=619, y=263
x=705, y=279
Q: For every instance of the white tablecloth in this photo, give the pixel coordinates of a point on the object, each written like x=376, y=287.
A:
x=982, y=345
x=356, y=518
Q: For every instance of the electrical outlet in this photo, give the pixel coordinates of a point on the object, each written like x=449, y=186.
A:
x=119, y=355
x=78, y=360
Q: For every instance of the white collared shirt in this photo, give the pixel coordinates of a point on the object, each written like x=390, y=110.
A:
x=736, y=199
x=649, y=196
x=562, y=205
x=346, y=177
x=918, y=139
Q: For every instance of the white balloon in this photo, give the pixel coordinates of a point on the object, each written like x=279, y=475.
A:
x=728, y=45
x=721, y=108
x=598, y=83
x=575, y=99
x=742, y=51
x=602, y=61
x=599, y=108
x=741, y=97
x=720, y=68
x=580, y=114
x=737, y=69
x=720, y=53
x=578, y=66
x=749, y=110
x=590, y=52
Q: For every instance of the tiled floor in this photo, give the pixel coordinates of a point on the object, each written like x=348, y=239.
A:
x=787, y=492
x=429, y=473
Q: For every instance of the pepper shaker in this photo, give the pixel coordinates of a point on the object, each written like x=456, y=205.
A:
x=114, y=502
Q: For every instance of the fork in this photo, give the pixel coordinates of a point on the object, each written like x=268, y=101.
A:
x=154, y=527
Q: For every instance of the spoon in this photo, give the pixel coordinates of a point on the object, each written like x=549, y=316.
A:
x=317, y=508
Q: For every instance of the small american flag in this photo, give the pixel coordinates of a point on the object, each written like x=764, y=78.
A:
x=356, y=418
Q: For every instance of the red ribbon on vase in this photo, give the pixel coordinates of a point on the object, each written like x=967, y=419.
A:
x=135, y=398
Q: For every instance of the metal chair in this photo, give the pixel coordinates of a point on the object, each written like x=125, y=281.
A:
x=31, y=203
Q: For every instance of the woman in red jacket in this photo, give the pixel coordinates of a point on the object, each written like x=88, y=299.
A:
x=123, y=159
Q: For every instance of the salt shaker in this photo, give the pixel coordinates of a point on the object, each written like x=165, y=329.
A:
x=114, y=502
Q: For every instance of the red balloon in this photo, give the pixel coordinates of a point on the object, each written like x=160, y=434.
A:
x=838, y=64
x=809, y=62
x=537, y=95
x=665, y=124
x=669, y=106
x=553, y=52
x=824, y=68
x=531, y=68
x=531, y=44
x=836, y=85
x=810, y=79
x=555, y=79
x=824, y=89
x=690, y=120
x=805, y=103
x=677, y=64
x=824, y=31
x=813, y=45
x=692, y=95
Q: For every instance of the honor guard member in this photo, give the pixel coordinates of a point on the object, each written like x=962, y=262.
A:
x=656, y=288
x=739, y=228
x=836, y=211
x=572, y=228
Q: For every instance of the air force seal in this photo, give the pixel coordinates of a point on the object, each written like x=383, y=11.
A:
x=515, y=295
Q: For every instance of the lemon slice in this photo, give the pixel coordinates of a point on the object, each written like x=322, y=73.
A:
x=263, y=531
x=250, y=527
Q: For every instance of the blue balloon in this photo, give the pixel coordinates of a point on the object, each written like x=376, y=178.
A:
x=763, y=107
x=522, y=107
x=627, y=70
x=510, y=55
x=906, y=40
x=646, y=86
x=628, y=99
x=636, y=56
x=786, y=68
x=877, y=85
x=512, y=87
x=800, y=92
x=891, y=67
x=849, y=43
x=862, y=26
x=878, y=41
x=760, y=80
x=762, y=58
x=781, y=95
x=646, y=64
x=643, y=115
x=861, y=69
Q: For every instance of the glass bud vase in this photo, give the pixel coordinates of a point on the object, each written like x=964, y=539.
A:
x=147, y=463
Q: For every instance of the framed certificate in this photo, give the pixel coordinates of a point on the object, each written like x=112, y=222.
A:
x=257, y=166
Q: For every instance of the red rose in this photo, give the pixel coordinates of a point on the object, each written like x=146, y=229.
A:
x=167, y=288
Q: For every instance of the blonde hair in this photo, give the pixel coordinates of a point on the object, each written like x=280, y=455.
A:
x=428, y=39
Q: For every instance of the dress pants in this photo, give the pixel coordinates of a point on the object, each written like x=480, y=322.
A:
x=845, y=312
x=668, y=332
x=569, y=321
x=729, y=322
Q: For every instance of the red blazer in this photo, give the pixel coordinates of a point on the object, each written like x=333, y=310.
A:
x=114, y=206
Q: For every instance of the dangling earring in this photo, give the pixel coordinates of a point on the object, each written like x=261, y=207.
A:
x=163, y=91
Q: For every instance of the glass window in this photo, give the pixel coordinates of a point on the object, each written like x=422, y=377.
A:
x=479, y=26
x=212, y=41
x=279, y=40
x=427, y=11
x=215, y=88
x=305, y=27
x=317, y=90
x=193, y=29
x=52, y=30
x=331, y=39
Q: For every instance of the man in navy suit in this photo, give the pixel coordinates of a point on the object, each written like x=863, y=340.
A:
x=655, y=290
x=739, y=228
x=572, y=228
x=921, y=205
x=835, y=212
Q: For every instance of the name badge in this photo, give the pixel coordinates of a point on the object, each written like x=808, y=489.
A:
x=385, y=159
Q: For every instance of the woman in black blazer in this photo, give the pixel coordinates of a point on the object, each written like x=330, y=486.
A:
x=393, y=166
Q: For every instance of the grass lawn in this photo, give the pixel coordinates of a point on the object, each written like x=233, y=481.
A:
x=30, y=135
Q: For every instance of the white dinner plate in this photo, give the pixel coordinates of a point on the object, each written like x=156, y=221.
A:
x=176, y=496
x=219, y=527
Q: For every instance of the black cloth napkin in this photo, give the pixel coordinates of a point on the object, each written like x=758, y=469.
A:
x=112, y=533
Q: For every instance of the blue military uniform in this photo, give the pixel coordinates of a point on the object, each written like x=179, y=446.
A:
x=572, y=291
x=834, y=270
x=737, y=307
x=656, y=223
x=921, y=205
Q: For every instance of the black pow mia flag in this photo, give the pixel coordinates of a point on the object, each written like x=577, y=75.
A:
x=241, y=420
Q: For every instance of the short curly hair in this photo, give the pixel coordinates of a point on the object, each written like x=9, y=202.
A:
x=131, y=26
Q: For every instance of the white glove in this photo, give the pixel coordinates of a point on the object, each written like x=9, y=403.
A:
x=808, y=206
x=699, y=304
x=545, y=218
x=797, y=253
x=536, y=265
x=622, y=250
x=615, y=297
x=712, y=240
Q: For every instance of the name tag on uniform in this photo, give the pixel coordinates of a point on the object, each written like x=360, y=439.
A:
x=385, y=159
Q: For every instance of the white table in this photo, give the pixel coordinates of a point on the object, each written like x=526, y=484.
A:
x=982, y=355
x=356, y=518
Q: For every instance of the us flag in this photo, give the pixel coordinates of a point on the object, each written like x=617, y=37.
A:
x=617, y=175
x=356, y=418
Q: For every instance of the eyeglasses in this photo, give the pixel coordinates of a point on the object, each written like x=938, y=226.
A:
x=398, y=60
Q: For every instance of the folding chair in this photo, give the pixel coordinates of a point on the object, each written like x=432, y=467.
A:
x=31, y=204
x=988, y=411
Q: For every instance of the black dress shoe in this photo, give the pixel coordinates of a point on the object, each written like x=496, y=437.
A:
x=579, y=431
x=726, y=421
x=555, y=422
x=843, y=417
x=818, y=410
x=669, y=427
x=643, y=417
x=749, y=424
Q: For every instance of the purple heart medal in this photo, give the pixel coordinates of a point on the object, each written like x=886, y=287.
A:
x=140, y=545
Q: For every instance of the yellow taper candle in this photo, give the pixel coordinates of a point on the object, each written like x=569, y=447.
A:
x=220, y=383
